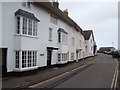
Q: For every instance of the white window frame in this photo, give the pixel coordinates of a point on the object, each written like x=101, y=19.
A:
x=25, y=58
x=24, y=27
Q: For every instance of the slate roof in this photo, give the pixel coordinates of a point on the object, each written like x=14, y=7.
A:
x=59, y=14
x=26, y=14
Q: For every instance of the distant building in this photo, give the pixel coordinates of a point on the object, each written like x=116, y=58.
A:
x=102, y=49
x=90, y=44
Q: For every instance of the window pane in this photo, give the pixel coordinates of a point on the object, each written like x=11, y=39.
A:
x=34, y=28
x=59, y=37
x=17, y=59
x=18, y=25
x=29, y=27
x=29, y=58
x=24, y=59
x=24, y=25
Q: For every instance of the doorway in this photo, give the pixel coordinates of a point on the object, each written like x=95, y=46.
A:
x=49, y=57
x=3, y=59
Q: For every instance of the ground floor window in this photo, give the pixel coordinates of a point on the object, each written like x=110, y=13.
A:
x=72, y=56
x=28, y=59
x=62, y=57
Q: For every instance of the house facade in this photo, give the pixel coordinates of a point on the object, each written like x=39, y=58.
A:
x=90, y=47
x=38, y=34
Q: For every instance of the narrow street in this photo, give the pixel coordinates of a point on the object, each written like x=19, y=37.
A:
x=97, y=74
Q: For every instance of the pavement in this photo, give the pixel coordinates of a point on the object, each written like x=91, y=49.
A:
x=41, y=75
x=100, y=73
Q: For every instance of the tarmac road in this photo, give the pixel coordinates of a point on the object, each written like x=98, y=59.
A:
x=97, y=75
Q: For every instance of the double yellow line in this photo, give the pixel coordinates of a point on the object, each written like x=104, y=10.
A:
x=46, y=81
x=115, y=78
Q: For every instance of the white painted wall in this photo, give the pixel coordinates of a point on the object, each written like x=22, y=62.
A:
x=16, y=42
x=89, y=45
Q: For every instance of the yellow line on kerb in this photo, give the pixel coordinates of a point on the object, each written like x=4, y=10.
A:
x=115, y=77
x=46, y=81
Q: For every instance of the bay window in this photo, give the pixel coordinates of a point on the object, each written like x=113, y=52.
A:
x=29, y=26
x=62, y=36
x=29, y=59
x=26, y=23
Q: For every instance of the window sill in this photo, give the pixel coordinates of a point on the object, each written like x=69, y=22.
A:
x=26, y=36
x=25, y=69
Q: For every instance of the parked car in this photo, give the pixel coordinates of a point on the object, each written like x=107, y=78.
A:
x=115, y=54
x=107, y=52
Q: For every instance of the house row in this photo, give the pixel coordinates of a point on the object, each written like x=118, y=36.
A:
x=38, y=34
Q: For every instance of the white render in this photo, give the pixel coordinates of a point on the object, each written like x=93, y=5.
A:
x=14, y=42
x=90, y=46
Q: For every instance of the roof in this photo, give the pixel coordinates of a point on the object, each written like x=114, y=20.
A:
x=26, y=14
x=87, y=34
x=56, y=11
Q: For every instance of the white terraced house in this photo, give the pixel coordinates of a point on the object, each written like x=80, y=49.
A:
x=90, y=47
x=38, y=34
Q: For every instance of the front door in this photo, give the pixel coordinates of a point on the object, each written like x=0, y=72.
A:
x=49, y=56
x=3, y=57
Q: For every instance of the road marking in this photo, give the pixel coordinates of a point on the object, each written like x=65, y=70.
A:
x=46, y=81
x=115, y=77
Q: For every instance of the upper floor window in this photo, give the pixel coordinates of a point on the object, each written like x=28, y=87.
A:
x=53, y=19
x=50, y=34
x=62, y=36
x=29, y=26
x=73, y=41
x=26, y=23
x=26, y=3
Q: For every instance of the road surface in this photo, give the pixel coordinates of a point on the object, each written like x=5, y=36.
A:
x=97, y=74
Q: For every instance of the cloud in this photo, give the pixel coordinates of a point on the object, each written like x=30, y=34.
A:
x=100, y=17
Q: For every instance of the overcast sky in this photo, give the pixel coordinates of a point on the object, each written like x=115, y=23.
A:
x=101, y=17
